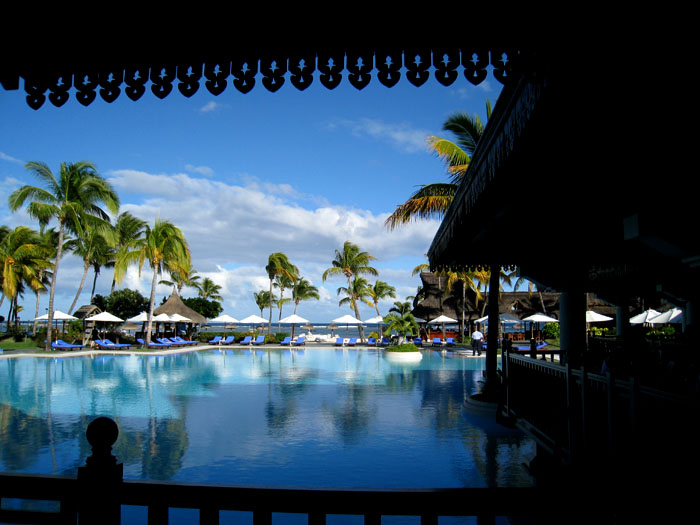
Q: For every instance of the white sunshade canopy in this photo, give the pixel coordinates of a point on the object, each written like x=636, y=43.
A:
x=443, y=319
x=644, y=317
x=106, y=317
x=58, y=315
x=294, y=319
x=347, y=319
x=141, y=318
x=540, y=318
x=503, y=318
x=177, y=318
x=162, y=318
x=595, y=317
x=225, y=318
x=253, y=319
x=674, y=315
x=376, y=319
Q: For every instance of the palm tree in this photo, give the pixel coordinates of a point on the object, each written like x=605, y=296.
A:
x=278, y=264
x=21, y=256
x=165, y=248
x=468, y=279
x=262, y=299
x=127, y=229
x=209, y=290
x=282, y=281
x=94, y=249
x=401, y=308
x=75, y=196
x=47, y=239
x=303, y=290
x=181, y=277
x=432, y=200
x=359, y=290
x=351, y=262
x=379, y=291
x=402, y=324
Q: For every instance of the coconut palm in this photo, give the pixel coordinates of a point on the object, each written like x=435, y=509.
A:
x=165, y=248
x=262, y=299
x=278, y=264
x=181, y=277
x=468, y=280
x=401, y=308
x=303, y=290
x=283, y=282
x=432, y=200
x=127, y=229
x=47, y=239
x=94, y=249
x=76, y=196
x=359, y=290
x=209, y=290
x=21, y=257
x=380, y=290
x=401, y=324
x=351, y=262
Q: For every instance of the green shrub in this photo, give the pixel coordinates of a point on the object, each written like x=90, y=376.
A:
x=409, y=347
x=551, y=331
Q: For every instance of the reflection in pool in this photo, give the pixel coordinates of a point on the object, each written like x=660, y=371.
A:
x=313, y=417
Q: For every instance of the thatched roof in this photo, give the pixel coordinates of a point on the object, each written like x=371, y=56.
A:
x=86, y=311
x=174, y=305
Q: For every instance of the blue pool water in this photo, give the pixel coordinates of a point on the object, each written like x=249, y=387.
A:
x=317, y=417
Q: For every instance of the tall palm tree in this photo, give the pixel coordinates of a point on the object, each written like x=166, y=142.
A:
x=165, y=248
x=127, y=230
x=278, y=264
x=181, y=277
x=283, y=282
x=76, y=195
x=263, y=300
x=401, y=308
x=351, y=262
x=303, y=290
x=468, y=280
x=380, y=290
x=209, y=290
x=47, y=239
x=432, y=200
x=359, y=290
x=21, y=256
x=94, y=249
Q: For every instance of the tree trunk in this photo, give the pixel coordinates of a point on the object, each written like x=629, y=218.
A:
x=357, y=313
x=151, y=305
x=94, y=282
x=59, y=252
x=269, y=319
x=86, y=267
x=36, y=311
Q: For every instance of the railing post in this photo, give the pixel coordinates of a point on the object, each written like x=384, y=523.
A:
x=100, y=479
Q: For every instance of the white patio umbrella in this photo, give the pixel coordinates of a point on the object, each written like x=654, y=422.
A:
x=376, y=319
x=224, y=319
x=58, y=315
x=644, y=317
x=347, y=320
x=293, y=319
x=141, y=318
x=595, y=317
x=161, y=318
x=253, y=319
x=442, y=319
x=674, y=315
x=104, y=317
x=539, y=318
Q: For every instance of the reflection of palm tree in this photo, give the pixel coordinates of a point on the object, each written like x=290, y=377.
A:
x=432, y=200
x=71, y=199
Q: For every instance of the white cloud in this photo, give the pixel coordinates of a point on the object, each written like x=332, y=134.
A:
x=201, y=170
x=210, y=106
x=401, y=135
x=232, y=230
x=8, y=158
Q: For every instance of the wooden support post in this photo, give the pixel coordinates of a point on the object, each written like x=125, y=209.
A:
x=100, y=479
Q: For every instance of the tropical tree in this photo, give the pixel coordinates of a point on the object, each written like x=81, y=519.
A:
x=351, y=262
x=283, y=282
x=262, y=299
x=165, y=248
x=127, y=230
x=380, y=290
x=303, y=290
x=432, y=200
x=21, y=258
x=94, y=249
x=181, y=277
x=359, y=290
x=278, y=264
x=47, y=239
x=401, y=308
x=71, y=199
x=468, y=280
x=209, y=290
x=402, y=324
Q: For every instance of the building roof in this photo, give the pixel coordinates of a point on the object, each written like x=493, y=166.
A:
x=174, y=305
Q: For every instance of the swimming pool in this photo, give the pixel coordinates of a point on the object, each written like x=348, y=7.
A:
x=313, y=417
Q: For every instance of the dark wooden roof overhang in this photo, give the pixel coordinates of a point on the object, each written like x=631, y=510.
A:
x=558, y=188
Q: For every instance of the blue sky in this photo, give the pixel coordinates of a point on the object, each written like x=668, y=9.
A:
x=247, y=175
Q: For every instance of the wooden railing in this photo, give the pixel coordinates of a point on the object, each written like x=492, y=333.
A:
x=98, y=493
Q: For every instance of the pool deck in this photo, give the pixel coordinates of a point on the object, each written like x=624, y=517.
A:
x=458, y=351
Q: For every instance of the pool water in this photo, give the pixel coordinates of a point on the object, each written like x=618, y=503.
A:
x=316, y=417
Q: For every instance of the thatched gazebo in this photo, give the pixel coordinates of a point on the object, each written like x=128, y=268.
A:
x=174, y=305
